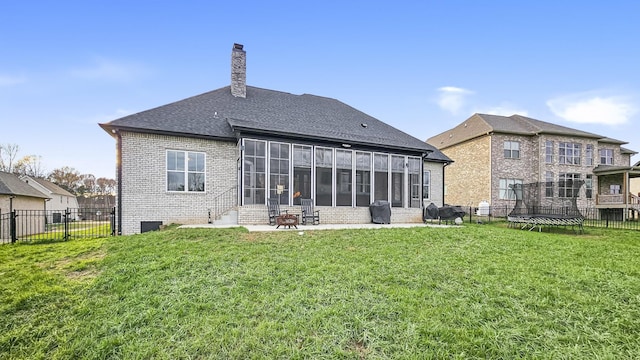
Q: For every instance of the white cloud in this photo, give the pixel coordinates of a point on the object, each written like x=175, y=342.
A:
x=452, y=98
x=504, y=109
x=590, y=108
x=105, y=69
x=6, y=80
x=104, y=118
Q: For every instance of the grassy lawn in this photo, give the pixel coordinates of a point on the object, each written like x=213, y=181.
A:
x=479, y=291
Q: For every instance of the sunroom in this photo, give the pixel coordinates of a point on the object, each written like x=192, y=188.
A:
x=341, y=181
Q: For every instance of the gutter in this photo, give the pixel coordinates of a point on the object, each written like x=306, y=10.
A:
x=119, y=177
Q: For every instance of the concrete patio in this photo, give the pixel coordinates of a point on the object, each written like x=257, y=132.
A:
x=253, y=228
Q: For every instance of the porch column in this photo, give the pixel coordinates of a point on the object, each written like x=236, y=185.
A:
x=625, y=189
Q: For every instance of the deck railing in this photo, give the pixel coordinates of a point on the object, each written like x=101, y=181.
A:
x=615, y=199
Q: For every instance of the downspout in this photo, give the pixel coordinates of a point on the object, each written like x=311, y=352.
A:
x=119, y=177
x=443, y=182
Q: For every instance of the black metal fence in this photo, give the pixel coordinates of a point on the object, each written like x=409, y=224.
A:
x=52, y=225
x=593, y=217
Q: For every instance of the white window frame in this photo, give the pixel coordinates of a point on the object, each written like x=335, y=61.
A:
x=505, y=192
x=569, y=153
x=607, y=155
x=426, y=183
x=186, y=171
x=511, y=149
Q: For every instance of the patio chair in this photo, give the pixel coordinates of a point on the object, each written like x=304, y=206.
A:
x=273, y=205
x=308, y=213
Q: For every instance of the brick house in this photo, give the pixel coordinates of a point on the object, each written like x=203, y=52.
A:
x=492, y=152
x=229, y=150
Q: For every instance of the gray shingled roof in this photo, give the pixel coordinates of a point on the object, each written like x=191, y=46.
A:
x=218, y=115
x=481, y=124
x=54, y=188
x=11, y=184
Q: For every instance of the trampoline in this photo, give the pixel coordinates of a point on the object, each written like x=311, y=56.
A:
x=547, y=204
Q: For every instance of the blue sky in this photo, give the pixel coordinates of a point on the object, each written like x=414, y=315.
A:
x=422, y=66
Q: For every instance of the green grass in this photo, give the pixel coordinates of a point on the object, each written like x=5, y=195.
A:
x=480, y=291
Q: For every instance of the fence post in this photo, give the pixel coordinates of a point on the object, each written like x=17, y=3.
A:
x=66, y=224
x=113, y=221
x=12, y=226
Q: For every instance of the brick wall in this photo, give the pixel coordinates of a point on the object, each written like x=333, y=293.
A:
x=436, y=194
x=144, y=193
x=468, y=178
x=257, y=214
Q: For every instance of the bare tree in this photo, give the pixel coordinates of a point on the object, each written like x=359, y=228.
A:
x=68, y=178
x=106, y=189
x=88, y=187
x=30, y=165
x=8, y=154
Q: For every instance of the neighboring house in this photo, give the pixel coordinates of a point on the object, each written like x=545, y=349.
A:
x=492, y=152
x=237, y=146
x=61, y=199
x=17, y=195
x=635, y=182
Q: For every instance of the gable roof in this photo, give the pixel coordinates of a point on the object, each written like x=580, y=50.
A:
x=219, y=115
x=48, y=185
x=11, y=184
x=483, y=124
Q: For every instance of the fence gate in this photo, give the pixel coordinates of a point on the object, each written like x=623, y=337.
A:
x=47, y=225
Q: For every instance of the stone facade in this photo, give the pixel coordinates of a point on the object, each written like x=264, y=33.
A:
x=480, y=163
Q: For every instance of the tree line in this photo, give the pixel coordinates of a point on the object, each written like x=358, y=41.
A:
x=91, y=191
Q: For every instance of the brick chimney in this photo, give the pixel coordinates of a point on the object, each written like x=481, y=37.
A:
x=238, y=71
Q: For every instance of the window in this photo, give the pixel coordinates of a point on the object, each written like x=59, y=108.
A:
x=363, y=179
x=414, y=182
x=426, y=185
x=324, y=176
x=569, y=153
x=279, y=172
x=344, y=160
x=588, y=186
x=548, y=185
x=397, y=181
x=606, y=156
x=614, y=189
x=381, y=176
x=548, y=152
x=505, y=191
x=254, y=172
x=512, y=150
x=588, y=155
x=301, y=173
x=565, y=185
x=185, y=171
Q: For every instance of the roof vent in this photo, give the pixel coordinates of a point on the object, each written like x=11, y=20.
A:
x=364, y=125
